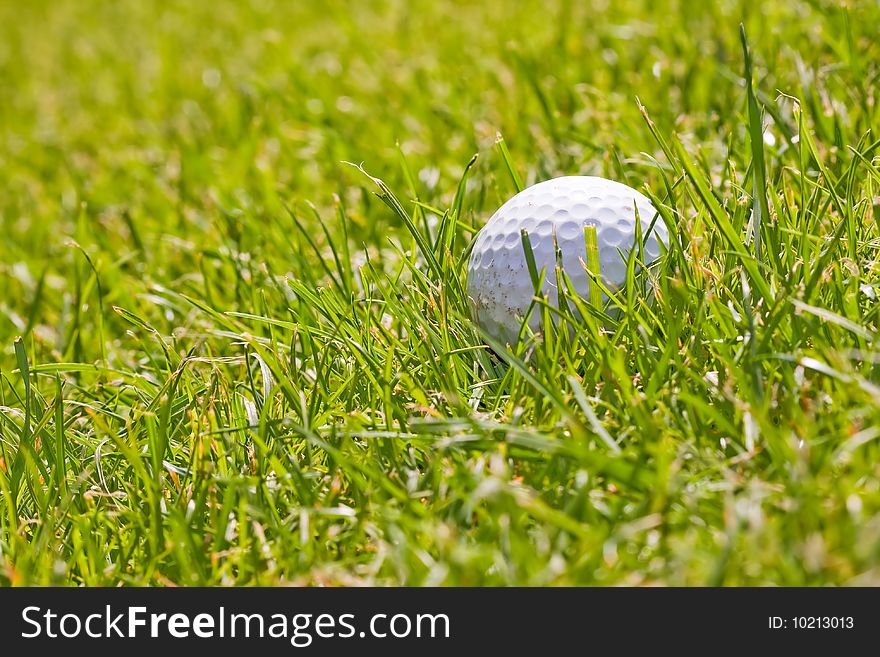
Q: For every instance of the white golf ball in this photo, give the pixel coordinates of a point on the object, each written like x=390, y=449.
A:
x=499, y=283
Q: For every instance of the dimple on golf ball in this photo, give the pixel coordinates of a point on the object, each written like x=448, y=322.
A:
x=499, y=283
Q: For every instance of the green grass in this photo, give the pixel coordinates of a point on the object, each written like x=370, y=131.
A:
x=229, y=357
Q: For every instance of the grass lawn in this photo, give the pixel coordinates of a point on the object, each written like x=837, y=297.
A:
x=228, y=356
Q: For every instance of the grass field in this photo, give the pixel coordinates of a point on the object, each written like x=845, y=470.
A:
x=229, y=357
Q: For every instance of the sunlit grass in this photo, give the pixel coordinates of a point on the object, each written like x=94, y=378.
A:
x=228, y=356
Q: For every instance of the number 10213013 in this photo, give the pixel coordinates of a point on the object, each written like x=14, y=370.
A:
x=811, y=623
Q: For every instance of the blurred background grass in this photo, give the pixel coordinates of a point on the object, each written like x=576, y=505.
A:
x=157, y=134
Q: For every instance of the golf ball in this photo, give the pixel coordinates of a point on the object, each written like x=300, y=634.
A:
x=499, y=284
